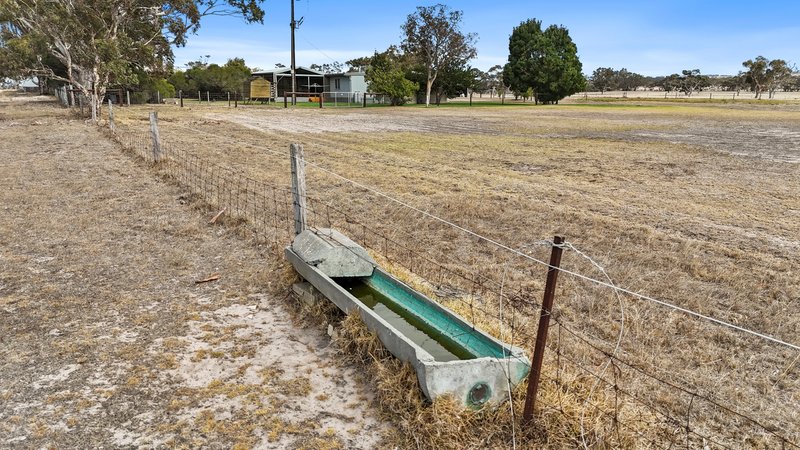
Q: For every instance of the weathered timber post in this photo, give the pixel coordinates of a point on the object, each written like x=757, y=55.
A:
x=94, y=108
x=155, y=136
x=111, y=125
x=199, y=99
x=180, y=96
x=158, y=97
x=541, y=332
x=208, y=96
x=285, y=101
x=236, y=99
x=128, y=97
x=298, y=187
x=229, y=99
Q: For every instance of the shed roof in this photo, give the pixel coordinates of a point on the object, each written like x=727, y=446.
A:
x=287, y=70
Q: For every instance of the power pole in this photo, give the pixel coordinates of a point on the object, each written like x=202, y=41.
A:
x=293, y=24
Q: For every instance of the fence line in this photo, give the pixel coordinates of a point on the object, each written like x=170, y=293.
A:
x=267, y=208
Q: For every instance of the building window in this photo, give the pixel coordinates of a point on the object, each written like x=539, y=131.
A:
x=337, y=83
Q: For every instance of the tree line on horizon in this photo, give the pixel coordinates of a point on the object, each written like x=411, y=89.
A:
x=761, y=75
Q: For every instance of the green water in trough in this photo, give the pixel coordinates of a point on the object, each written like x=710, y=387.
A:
x=424, y=324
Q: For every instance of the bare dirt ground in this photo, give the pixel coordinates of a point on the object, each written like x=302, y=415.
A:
x=694, y=204
x=105, y=339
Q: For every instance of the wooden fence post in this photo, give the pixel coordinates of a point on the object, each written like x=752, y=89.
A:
x=298, y=187
x=111, y=125
x=199, y=99
x=94, y=108
x=154, y=135
x=208, y=96
x=180, y=96
x=229, y=99
x=541, y=332
x=158, y=97
x=128, y=97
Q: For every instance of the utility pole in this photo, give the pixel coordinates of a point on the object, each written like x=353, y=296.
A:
x=293, y=24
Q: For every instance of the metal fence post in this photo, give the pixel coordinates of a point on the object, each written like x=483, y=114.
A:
x=111, y=125
x=298, y=187
x=155, y=137
x=541, y=332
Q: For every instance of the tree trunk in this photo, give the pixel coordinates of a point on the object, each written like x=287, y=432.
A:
x=428, y=86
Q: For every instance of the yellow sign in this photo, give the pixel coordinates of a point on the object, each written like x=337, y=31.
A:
x=260, y=88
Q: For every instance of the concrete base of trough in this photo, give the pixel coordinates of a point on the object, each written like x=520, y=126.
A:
x=306, y=293
x=333, y=253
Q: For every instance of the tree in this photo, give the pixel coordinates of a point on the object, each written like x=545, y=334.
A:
x=671, y=83
x=756, y=74
x=626, y=80
x=358, y=64
x=544, y=61
x=433, y=38
x=603, y=79
x=691, y=80
x=386, y=75
x=778, y=73
x=496, y=81
x=103, y=41
x=334, y=67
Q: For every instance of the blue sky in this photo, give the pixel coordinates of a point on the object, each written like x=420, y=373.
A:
x=648, y=37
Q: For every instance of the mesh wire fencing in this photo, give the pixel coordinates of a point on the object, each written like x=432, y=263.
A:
x=498, y=291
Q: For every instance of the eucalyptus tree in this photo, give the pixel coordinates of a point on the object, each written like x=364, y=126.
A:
x=99, y=42
x=432, y=37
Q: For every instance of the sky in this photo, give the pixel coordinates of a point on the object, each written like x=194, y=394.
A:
x=648, y=37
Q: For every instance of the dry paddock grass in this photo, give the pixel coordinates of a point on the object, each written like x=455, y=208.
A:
x=105, y=339
x=693, y=204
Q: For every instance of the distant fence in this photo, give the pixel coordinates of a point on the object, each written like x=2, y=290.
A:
x=706, y=94
x=495, y=287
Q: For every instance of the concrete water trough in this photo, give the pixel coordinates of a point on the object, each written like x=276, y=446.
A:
x=449, y=354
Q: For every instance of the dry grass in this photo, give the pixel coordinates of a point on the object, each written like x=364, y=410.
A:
x=446, y=424
x=105, y=339
x=677, y=218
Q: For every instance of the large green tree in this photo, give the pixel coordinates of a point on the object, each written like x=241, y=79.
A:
x=432, y=37
x=99, y=42
x=386, y=74
x=544, y=61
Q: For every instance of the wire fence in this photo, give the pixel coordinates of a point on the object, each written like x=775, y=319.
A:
x=497, y=288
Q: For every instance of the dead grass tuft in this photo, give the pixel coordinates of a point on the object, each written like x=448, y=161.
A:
x=444, y=423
